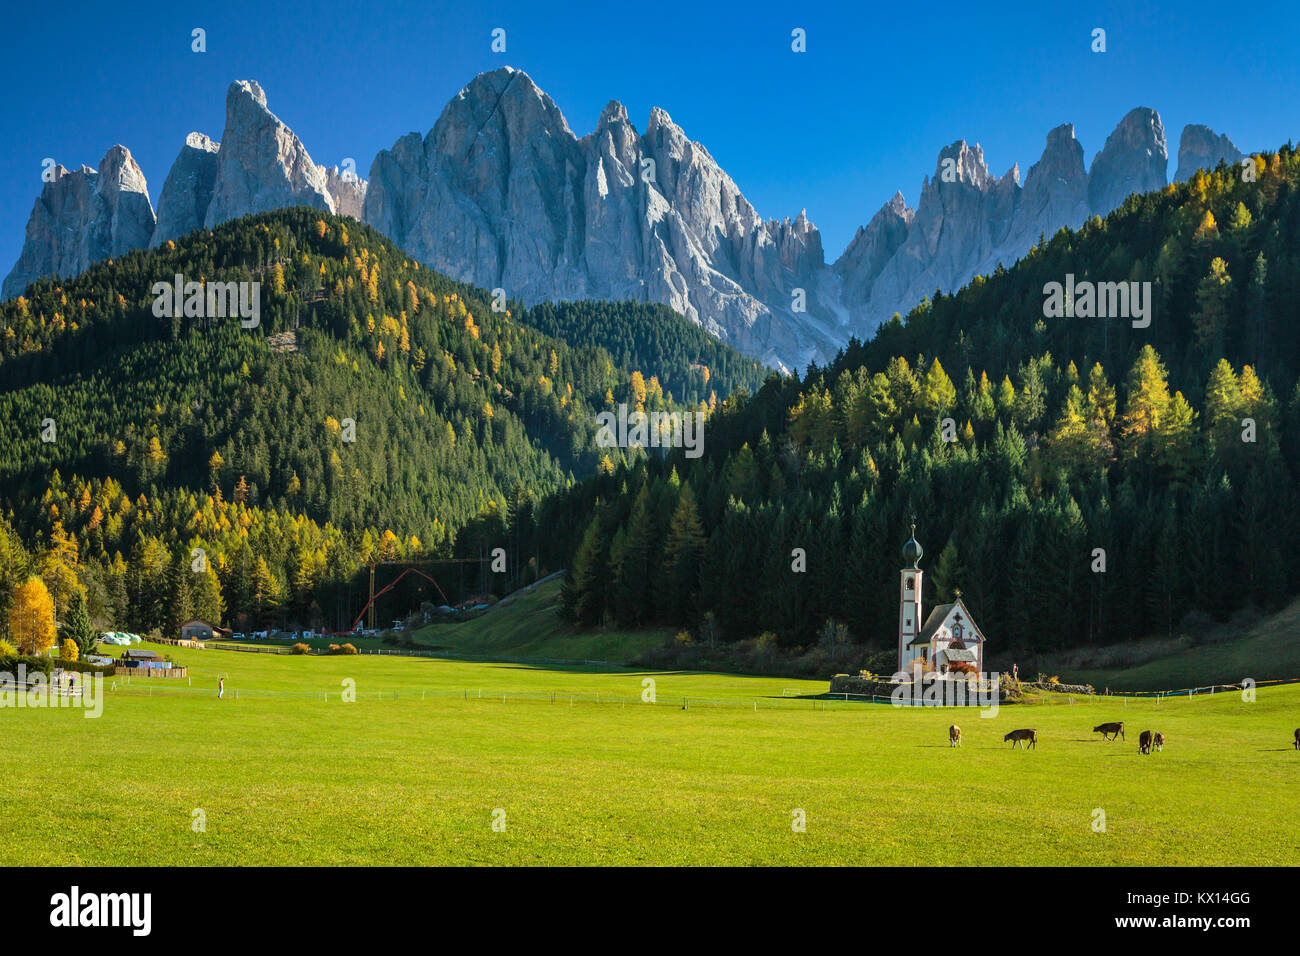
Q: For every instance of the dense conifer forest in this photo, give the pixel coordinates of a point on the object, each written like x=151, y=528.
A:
x=1080, y=480
x=379, y=411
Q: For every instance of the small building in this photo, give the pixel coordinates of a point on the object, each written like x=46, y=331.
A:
x=197, y=630
x=948, y=643
x=134, y=656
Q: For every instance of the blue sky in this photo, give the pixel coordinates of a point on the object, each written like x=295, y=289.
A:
x=836, y=129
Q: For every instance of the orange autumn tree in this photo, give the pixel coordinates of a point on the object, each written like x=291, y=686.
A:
x=31, y=617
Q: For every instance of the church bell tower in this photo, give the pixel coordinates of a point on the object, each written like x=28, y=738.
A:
x=909, y=601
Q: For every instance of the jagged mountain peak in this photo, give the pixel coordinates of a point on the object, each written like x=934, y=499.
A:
x=82, y=217
x=261, y=164
x=1199, y=147
x=250, y=90
x=962, y=163
x=1134, y=160
x=614, y=112
x=501, y=193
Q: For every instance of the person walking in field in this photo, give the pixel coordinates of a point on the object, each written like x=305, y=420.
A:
x=221, y=687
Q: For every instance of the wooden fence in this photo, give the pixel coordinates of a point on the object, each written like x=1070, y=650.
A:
x=173, y=671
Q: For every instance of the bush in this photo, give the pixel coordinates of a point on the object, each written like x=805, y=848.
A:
x=35, y=662
x=69, y=651
x=7, y=649
x=348, y=648
x=301, y=648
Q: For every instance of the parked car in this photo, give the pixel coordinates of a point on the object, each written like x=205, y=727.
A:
x=237, y=637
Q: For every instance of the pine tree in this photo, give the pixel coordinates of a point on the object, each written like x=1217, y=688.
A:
x=1147, y=402
x=947, y=573
x=77, y=626
x=683, y=550
x=1213, y=306
x=583, y=595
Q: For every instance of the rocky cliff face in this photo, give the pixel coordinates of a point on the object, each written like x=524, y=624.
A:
x=1055, y=193
x=183, y=202
x=960, y=222
x=502, y=193
x=1201, y=148
x=967, y=222
x=261, y=165
x=1133, y=160
x=347, y=190
x=83, y=217
x=872, y=248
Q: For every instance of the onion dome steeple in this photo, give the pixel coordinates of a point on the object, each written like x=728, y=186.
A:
x=912, y=551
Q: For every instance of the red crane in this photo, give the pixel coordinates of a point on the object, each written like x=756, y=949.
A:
x=374, y=597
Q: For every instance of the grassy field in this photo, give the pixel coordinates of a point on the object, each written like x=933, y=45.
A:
x=285, y=772
x=524, y=625
x=1266, y=650
x=528, y=626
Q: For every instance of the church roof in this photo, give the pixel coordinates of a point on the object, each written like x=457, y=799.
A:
x=939, y=614
x=958, y=654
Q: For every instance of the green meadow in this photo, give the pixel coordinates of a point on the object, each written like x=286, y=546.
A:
x=580, y=770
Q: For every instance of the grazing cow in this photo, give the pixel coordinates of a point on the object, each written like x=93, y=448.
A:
x=1144, y=742
x=1110, y=731
x=1159, y=740
x=954, y=736
x=1297, y=738
x=1019, y=737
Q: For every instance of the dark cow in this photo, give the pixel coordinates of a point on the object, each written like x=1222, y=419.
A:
x=1297, y=738
x=1144, y=742
x=1019, y=738
x=1110, y=731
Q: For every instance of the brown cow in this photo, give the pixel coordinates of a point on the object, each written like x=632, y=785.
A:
x=1159, y=740
x=1020, y=736
x=1144, y=742
x=954, y=736
x=1110, y=731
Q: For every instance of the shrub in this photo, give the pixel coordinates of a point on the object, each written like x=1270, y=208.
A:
x=34, y=662
x=301, y=648
x=348, y=648
x=768, y=644
x=683, y=639
x=7, y=649
x=69, y=650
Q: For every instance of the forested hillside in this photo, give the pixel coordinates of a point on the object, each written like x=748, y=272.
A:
x=1097, y=482
x=689, y=362
x=376, y=410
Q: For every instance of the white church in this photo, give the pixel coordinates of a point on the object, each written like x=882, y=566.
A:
x=949, y=643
